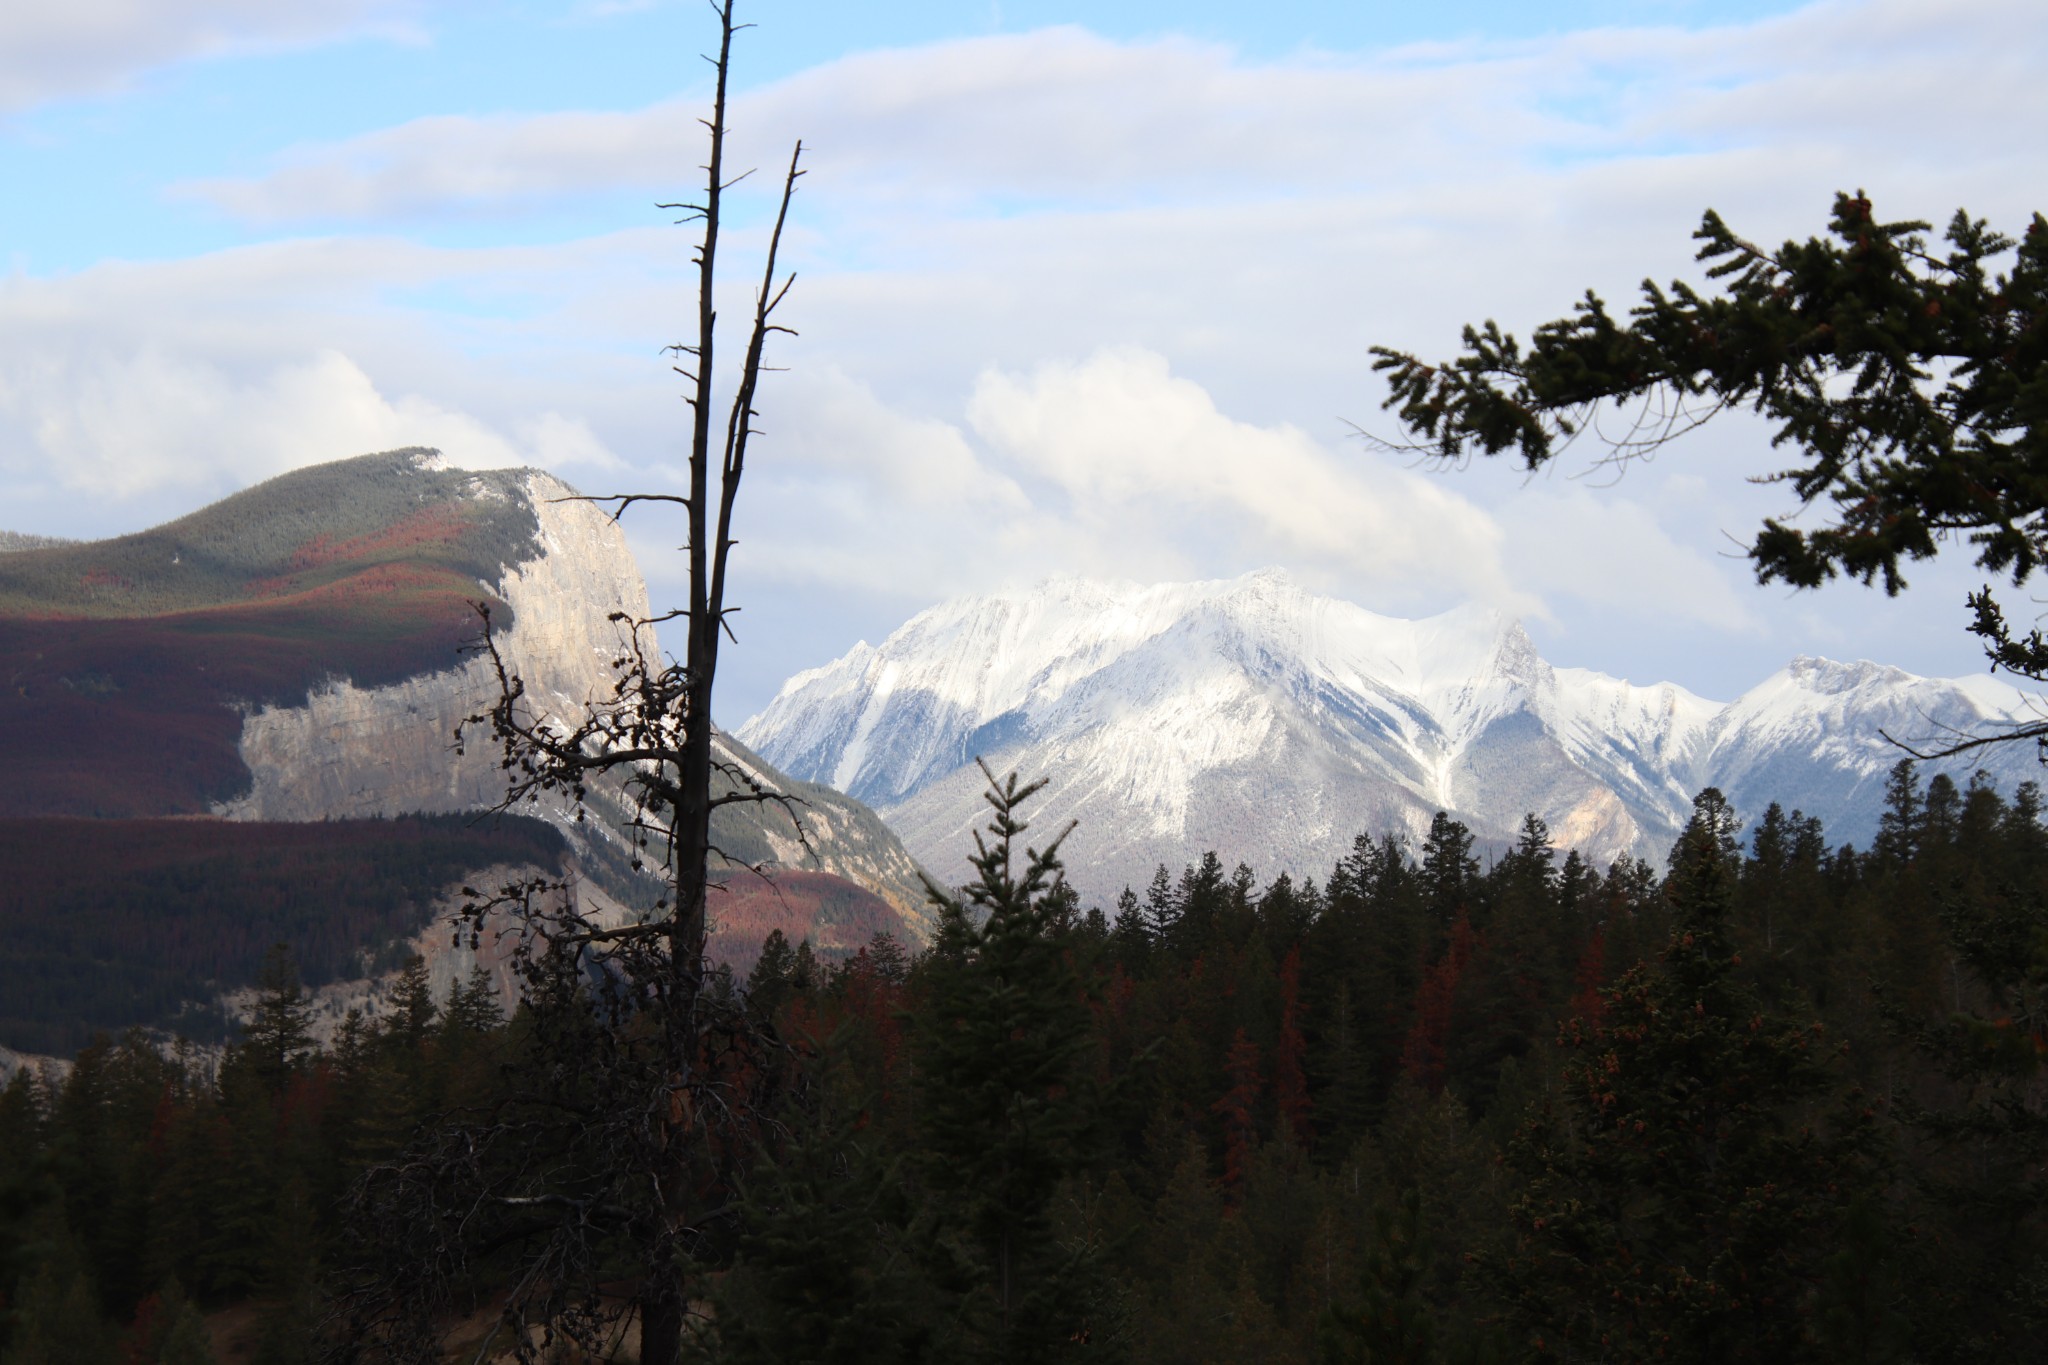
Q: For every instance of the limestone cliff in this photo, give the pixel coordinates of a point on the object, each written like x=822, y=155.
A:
x=351, y=751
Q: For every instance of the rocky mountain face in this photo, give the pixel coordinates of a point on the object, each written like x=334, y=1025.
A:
x=300, y=653
x=1273, y=725
x=345, y=750
x=304, y=651
x=352, y=751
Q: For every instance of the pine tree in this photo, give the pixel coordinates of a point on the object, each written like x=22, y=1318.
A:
x=804, y=973
x=1238, y=1109
x=1162, y=912
x=1449, y=872
x=1001, y=1042
x=1908, y=381
x=168, y=1330
x=825, y=1272
x=473, y=1007
x=1980, y=1123
x=277, y=1037
x=1130, y=933
x=412, y=1005
x=1290, y=1080
x=59, y=1320
x=1390, y=1322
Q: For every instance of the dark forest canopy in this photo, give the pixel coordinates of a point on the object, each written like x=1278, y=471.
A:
x=143, y=923
x=1425, y=1108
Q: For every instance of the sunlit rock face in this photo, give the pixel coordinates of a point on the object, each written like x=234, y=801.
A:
x=1273, y=725
x=351, y=751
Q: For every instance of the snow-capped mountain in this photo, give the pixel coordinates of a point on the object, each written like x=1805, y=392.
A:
x=1272, y=725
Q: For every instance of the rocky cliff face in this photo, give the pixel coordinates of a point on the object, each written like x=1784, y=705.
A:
x=353, y=751
x=822, y=831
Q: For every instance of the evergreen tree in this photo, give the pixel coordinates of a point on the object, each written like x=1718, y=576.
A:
x=1981, y=1122
x=1130, y=933
x=1910, y=383
x=473, y=1008
x=1391, y=1321
x=1449, y=872
x=412, y=1005
x=1001, y=1039
x=277, y=1037
x=59, y=1319
x=168, y=1330
x=769, y=983
x=826, y=1268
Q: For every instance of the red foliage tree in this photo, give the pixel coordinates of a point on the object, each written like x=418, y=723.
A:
x=1290, y=1082
x=1422, y=1055
x=1589, y=1001
x=1239, y=1110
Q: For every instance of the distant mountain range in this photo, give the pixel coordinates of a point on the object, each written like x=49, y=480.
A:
x=1272, y=725
x=300, y=652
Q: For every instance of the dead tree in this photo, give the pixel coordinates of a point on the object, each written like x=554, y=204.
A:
x=605, y=1171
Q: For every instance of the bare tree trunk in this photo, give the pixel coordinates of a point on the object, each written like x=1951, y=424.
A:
x=664, y=1116
x=664, y=1303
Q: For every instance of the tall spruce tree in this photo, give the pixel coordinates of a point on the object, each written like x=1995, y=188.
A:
x=1001, y=1041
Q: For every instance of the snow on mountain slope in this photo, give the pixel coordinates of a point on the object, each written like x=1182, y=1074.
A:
x=1247, y=715
x=1813, y=736
x=1273, y=725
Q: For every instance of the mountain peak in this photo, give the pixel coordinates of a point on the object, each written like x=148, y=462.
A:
x=1257, y=717
x=1828, y=676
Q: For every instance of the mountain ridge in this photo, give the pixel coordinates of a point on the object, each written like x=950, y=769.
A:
x=1274, y=724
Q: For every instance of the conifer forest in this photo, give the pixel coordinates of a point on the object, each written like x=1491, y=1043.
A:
x=1781, y=1103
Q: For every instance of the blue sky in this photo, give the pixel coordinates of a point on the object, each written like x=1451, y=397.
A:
x=1083, y=288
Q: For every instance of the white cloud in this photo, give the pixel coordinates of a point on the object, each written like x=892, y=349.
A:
x=1611, y=552
x=1111, y=466
x=56, y=49
x=1062, y=115
x=141, y=389
x=127, y=426
x=1134, y=451
x=1058, y=112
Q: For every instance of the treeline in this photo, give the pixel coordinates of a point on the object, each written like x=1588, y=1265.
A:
x=1785, y=1102
x=116, y=924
